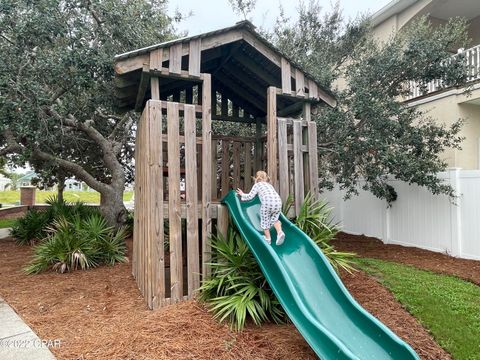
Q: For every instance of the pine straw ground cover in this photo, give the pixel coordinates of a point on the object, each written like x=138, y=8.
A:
x=99, y=314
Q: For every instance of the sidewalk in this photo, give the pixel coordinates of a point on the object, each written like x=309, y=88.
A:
x=4, y=233
x=18, y=341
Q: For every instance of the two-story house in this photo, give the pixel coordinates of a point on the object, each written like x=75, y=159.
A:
x=443, y=104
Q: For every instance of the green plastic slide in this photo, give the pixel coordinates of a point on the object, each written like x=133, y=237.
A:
x=312, y=294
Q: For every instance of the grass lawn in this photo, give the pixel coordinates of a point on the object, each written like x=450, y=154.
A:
x=446, y=305
x=6, y=223
x=90, y=197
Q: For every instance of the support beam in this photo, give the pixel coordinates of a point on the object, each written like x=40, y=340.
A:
x=237, y=119
x=244, y=94
x=233, y=50
x=272, y=148
x=256, y=69
x=142, y=88
x=291, y=109
x=241, y=102
x=206, y=172
x=258, y=144
x=194, y=57
x=248, y=82
x=286, y=76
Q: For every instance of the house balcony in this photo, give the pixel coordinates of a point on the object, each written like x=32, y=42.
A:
x=472, y=57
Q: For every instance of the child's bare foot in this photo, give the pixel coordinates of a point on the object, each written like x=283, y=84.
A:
x=268, y=240
x=280, y=238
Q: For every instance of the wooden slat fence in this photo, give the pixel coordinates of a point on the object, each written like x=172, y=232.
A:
x=233, y=159
x=297, y=159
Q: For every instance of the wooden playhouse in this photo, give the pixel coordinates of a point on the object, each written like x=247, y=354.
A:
x=182, y=169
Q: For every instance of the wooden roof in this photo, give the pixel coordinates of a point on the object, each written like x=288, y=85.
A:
x=242, y=64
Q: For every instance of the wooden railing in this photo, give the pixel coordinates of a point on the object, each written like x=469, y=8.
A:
x=472, y=58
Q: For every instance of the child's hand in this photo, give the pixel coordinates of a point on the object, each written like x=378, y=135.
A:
x=239, y=192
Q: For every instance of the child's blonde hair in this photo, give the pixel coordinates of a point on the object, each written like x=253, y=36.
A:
x=262, y=176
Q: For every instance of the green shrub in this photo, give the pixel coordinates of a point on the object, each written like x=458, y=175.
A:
x=78, y=243
x=31, y=227
x=237, y=289
x=314, y=220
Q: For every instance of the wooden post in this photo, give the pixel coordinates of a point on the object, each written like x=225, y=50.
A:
x=222, y=220
x=206, y=171
x=236, y=164
x=283, y=159
x=214, y=188
x=286, y=76
x=194, y=57
x=155, y=88
x=313, y=158
x=298, y=165
x=299, y=83
x=175, y=59
x=258, y=144
x=225, y=179
x=306, y=164
x=155, y=211
x=247, y=175
x=272, y=134
x=191, y=200
x=175, y=236
x=156, y=58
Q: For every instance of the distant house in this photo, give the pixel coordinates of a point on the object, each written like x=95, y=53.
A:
x=73, y=185
x=26, y=180
x=4, y=182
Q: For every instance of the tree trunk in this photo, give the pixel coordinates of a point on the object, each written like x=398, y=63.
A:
x=112, y=207
x=60, y=187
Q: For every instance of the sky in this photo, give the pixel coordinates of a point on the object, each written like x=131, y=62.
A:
x=209, y=15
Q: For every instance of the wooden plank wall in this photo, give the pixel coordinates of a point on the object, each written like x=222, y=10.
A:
x=233, y=161
x=297, y=140
x=156, y=152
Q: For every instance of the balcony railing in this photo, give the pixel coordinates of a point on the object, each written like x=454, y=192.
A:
x=472, y=57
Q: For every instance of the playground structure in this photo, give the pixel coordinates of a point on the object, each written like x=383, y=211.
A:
x=180, y=87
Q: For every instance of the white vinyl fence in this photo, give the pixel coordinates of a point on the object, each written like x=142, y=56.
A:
x=418, y=218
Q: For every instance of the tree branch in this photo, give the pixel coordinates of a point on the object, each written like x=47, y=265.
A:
x=12, y=145
x=72, y=168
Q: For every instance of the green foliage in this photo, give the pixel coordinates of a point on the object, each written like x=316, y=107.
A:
x=57, y=101
x=372, y=133
x=243, y=7
x=31, y=227
x=78, y=243
x=237, y=289
x=446, y=305
x=315, y=220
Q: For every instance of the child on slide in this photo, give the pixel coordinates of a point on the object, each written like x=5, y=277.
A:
x=270, y=208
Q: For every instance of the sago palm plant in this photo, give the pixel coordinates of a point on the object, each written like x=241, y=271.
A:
x=78, y=243
x=31, y=227
x=237, y=289
x=65, y=249
x=314, y=219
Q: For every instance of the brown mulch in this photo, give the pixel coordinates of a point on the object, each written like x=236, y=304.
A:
x=371, y=247
x=99, y=314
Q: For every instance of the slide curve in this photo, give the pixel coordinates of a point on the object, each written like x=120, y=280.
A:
x=312, y=294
